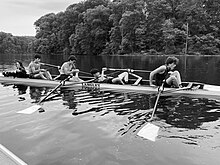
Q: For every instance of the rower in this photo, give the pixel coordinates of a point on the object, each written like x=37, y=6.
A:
x=120, y=79
x=68, y=69
x=165, y=72
x=102, y=78
x=36, y=72
x=20, y=71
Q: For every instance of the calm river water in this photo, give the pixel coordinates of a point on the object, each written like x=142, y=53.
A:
x=100, y=127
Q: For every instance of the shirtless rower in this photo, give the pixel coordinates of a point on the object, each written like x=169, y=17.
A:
x=68, y=69
x=36, y=72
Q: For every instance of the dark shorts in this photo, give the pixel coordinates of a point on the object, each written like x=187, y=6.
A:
x=159, y=83
x=108, y=80
x=62, y=77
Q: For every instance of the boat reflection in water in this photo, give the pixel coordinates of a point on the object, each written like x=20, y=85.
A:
x=22, y=89
x=100, y=126
x=176, y=112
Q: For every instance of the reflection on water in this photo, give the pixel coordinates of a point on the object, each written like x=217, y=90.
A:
x=178, y=112
x=37, y=92
x=100, y=127
x=21, y=89
x=185, y=112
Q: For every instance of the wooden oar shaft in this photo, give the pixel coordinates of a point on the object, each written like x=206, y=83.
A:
x=155, y=105
x=51, y=65
x=160, y=90
x=50, y=93
x=145, y=71
x=60, y=84
x=168, y=91
x=130, y=70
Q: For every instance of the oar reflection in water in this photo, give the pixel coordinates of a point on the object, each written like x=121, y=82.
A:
x=135, y=107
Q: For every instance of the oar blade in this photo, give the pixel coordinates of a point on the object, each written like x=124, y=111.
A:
x=30, y=110
x=149, y=131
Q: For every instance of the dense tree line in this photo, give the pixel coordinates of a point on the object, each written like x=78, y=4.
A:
x=131, y=26
x=14, y=44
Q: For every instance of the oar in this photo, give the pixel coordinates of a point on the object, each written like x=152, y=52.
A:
x=51, y=65
x=37, y=106
x=160, y=90
x=150, y=131
x=34, y=108
x=129, y=70
x=189, y=86
x=145, y=71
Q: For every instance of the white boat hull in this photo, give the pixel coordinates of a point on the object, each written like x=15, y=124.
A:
x=207, y=90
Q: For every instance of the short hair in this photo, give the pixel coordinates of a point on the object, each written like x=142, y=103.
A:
x=72, y=58
x=37, y=56
x=171, y=60
x=94, y=71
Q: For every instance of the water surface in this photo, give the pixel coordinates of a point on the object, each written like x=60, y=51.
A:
x=100, y=128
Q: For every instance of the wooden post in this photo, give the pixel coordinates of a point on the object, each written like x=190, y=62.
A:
x=187, y=32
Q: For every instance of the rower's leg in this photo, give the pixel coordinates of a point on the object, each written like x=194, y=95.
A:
x=173, y=81
x=123, y=76
x=40, y=75
x=117, y=80
x=139, y=78
x=48, y=75
x=176, y=74
x=57, y=77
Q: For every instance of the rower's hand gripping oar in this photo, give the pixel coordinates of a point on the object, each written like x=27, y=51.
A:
x=160, y=90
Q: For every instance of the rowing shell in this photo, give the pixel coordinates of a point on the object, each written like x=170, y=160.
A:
x=30, y=82
x=204, y=89
x=197, y=89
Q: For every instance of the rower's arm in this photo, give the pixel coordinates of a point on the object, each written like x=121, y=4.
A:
x=151, y=78
x=103, y=71
x=76, y=71
x=154, y=72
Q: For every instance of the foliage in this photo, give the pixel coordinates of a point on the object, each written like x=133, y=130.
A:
x=129, y=26
x=14, y=44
